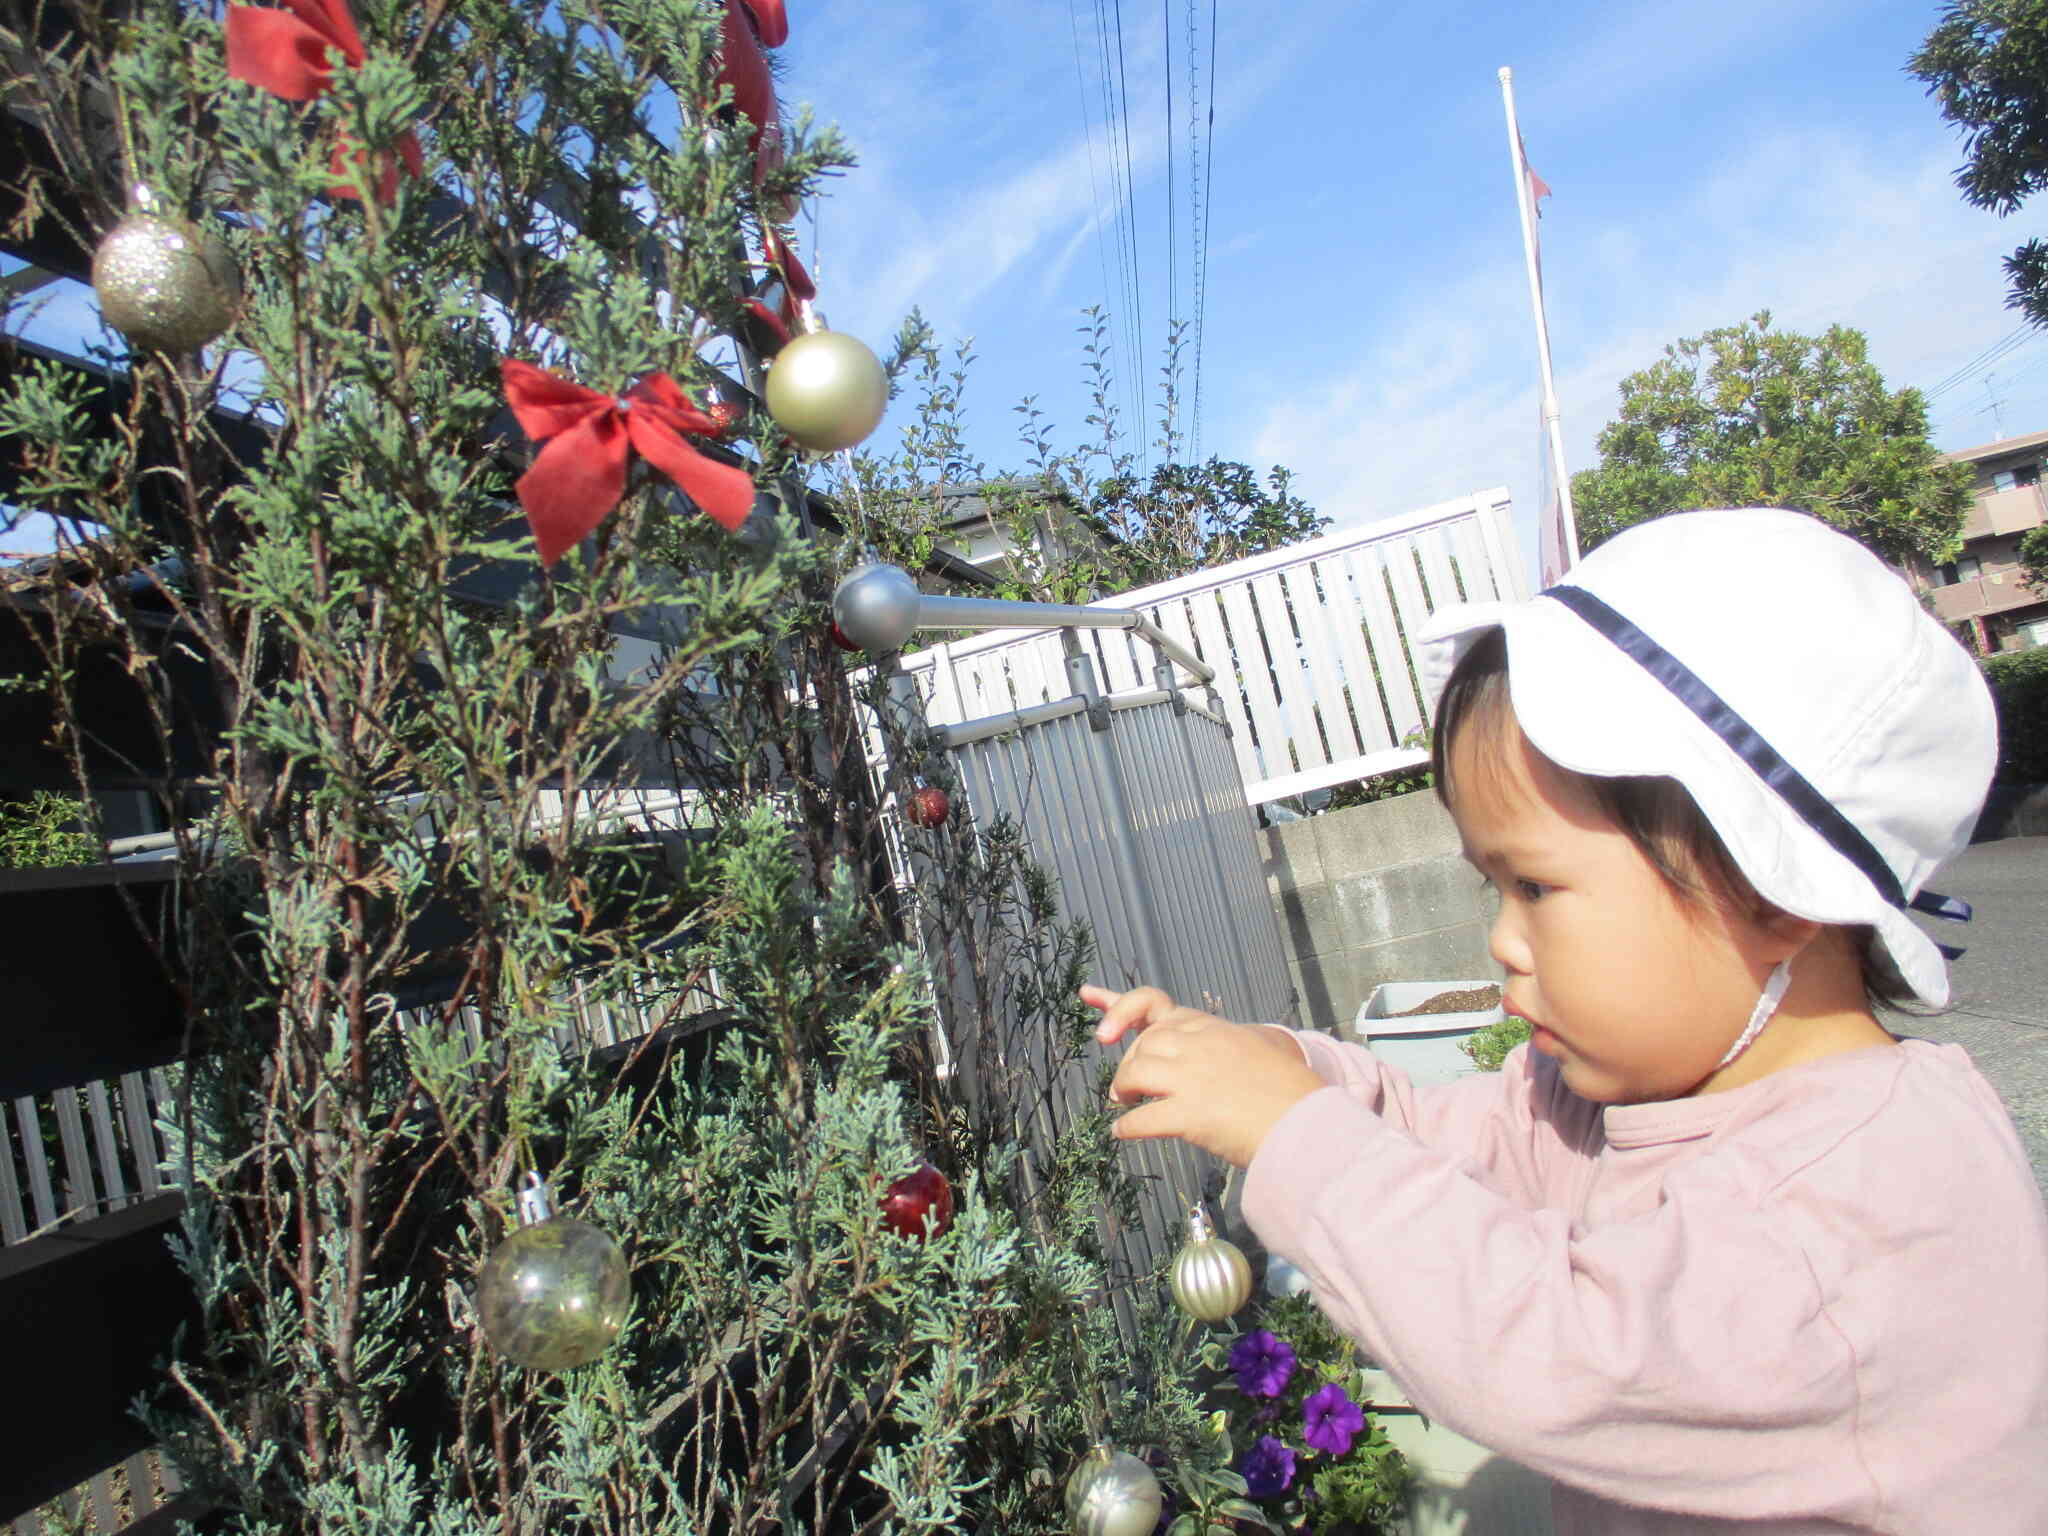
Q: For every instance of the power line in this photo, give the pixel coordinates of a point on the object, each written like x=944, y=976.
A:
x=1117, y=148
x=1088, y=133
x=1200, y=189
x=1137, y=288
x=2010, y=342
x=1172, y=220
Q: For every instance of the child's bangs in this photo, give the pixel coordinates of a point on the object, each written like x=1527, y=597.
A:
x=1475, y=708
x=1475, y=725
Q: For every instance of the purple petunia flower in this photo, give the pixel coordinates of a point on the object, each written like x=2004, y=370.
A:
x=1268, y=1468
x=1330, y=1419
x=1263, y=1363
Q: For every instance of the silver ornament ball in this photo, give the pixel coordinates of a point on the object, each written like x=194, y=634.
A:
x=1211, y=1276
x=875, y=606
x=827, y=390
x=1112, y=1493
x=163, y=282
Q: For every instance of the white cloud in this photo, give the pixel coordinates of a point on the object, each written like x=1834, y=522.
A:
x=1814, y=226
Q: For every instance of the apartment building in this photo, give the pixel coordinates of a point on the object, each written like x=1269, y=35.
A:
x=1981, y=590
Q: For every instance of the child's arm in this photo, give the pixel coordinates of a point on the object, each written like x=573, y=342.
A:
x=1503, y=1123
x=1638, y=1361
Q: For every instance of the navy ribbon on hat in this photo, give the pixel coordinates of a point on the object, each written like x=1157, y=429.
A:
x=1812, y=807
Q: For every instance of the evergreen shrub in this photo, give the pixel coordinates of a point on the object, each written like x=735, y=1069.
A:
x=2019, y=683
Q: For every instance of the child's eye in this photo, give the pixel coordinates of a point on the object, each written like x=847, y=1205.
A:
x=1529, y=890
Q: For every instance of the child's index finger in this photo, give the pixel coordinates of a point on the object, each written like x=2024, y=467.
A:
x=1124, y=1013
x=1110, y=1028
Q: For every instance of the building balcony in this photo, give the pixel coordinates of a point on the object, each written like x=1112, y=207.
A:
x=1996, y=512
x=1998, y=592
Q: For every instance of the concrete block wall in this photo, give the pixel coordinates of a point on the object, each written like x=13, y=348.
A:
x=2013, y=810
x=1375, y=893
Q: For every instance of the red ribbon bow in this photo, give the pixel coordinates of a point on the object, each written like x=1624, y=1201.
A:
x=771, y=20
x=286, y=53
x=743, y=68
x=581, y=473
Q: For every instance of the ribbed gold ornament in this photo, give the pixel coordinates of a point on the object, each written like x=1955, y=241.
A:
x=162, y=281
x=1211, y=1276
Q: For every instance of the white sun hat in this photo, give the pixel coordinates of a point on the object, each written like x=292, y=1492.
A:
x=1835, y=735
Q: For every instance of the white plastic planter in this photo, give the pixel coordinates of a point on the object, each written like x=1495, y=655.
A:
x=1428, y=1047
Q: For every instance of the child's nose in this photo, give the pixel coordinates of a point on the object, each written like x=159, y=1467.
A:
x=1506, y=942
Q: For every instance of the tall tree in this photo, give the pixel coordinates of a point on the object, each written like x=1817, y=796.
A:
x=1750, y=416
x=423, y=884
x=1986, y=62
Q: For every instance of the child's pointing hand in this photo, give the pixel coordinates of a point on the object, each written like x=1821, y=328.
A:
x=1219, y=1085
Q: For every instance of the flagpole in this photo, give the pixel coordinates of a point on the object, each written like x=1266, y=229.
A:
x=1551, y=425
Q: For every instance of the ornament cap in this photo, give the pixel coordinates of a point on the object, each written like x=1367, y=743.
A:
x=1200, y=1227
x=536, y=1205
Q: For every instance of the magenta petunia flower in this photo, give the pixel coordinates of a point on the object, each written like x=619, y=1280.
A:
x=1330, y=1419
x=1268, y=1468
x=1263, y=1363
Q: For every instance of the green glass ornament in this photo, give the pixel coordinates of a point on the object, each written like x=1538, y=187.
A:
x=1211, y=1276
x=1112, y=1493
x=162, y=281
x=553, y=1295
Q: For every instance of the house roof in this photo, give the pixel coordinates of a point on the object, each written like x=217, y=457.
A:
x=1997, y=450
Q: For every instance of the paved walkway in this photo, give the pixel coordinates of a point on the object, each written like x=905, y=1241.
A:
x=1998, y=1010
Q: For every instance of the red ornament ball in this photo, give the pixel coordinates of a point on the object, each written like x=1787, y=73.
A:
x=928, y=806
x=919, y=1204
x=728, y=417
x=839, y=638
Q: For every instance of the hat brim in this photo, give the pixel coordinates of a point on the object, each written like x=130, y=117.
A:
x=1589, y=707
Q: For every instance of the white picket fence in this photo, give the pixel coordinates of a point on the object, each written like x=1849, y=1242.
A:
x=1311, y=644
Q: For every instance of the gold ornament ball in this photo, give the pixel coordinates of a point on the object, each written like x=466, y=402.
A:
x=1112, y=1493
x=164, y=283
x=1211, y=1276
x=827, y=390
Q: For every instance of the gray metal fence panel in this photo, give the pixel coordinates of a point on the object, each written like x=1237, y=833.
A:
x=1138, y=811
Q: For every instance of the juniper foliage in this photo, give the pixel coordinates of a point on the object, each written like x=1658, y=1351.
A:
x=420, y=904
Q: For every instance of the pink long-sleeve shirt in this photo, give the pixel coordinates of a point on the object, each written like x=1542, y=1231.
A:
x=1816, y=1303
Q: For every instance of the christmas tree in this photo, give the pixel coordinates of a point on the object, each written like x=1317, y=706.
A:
x=564, y=1061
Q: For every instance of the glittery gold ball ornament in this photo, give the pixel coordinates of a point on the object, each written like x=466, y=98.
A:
x=1112, y=1493
x=553, y=1295
x=1211, y=1276
x=827, y=390
x=162, y=281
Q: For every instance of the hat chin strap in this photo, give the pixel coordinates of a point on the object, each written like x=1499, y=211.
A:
x=1767, y=1005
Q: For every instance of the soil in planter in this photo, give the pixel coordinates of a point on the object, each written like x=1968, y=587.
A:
x=1470, y=1000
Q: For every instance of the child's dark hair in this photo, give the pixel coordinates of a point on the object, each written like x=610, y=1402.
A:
x=1658, y=814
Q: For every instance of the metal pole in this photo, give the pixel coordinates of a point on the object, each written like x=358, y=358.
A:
x=942, y=611
x=1524, y=203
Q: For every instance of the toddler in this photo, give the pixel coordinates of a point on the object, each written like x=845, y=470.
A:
x=1715, y=1249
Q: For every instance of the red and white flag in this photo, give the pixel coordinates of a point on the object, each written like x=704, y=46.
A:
x=1556, y=544
x=1552, y=559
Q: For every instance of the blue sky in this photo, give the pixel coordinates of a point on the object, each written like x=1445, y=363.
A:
x=1367, y=320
